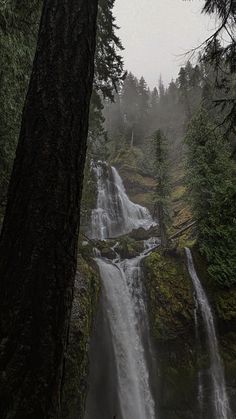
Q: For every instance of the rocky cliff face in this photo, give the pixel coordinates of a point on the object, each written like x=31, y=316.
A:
x=171, y=308
x=86, y=294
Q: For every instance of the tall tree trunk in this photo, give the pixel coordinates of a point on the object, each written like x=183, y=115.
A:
x=162, y=225
x=132, y=139
x=39, y=237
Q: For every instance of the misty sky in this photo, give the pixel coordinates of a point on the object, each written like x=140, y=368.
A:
x=155, y=33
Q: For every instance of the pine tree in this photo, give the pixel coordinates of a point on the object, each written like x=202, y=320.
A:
x=38, y=243
x=210, y=177
x=223, y=53
x=143, y=109
x=161, y=204
x=183, y=83
x=225, y=10
x=161, y=88
x=18, y=29
x=129, y=98
x=108, y=61
x=108, y=66
x=154, y=100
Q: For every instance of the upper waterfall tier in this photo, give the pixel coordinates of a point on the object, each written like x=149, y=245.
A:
x=115, y=214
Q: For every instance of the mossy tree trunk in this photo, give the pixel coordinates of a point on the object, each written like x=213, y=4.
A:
x=39, y=237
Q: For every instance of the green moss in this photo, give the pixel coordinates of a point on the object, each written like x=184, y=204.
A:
x=129, y=248
x=171, y=305
x=225, y=304
x=86, y=293
x=178, y=192
x=170, y=296
x=129, y=157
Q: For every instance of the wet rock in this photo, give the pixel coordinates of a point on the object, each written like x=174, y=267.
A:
x=86, y=293
x=108, y=253
x=129, y=248
x=142, y=234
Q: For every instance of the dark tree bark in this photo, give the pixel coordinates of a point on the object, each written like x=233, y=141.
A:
x=39, y=237
x=162, y=225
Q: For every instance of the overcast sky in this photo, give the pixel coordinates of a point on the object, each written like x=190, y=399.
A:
x=155, y=33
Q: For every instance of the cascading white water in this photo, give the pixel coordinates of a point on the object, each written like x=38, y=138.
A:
x=220, y=400
x=125, y=307
x=115, y=214
x=124, y=302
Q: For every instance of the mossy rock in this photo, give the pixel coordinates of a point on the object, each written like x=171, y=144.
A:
x=86, y=292
x=86, y=249
x=170, y=296
x=178, y=392
x=106, y=248
x=129, y=248
x=142, y=234
x=171, y=305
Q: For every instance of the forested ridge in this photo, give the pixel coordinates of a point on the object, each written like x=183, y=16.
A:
x=200, y=141
x=89, y=123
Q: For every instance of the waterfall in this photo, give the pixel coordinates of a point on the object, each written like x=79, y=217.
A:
x=115, y=214
x=124, y=347
x=220, y=400
x=200, y=391
x=125, y=307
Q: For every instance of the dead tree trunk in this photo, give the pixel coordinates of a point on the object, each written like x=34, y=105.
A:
x=39, y=237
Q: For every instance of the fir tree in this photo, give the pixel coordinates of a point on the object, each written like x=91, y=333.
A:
x=108, y=61
x=161, y=204
x=143, y=109
x=129, y=97
x=161, y=88
x=210, y=177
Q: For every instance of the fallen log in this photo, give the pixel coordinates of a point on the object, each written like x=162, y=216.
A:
x=179, y=233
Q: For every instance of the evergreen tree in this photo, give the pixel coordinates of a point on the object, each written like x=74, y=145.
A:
x=143, y=109
x=129, y=98
x=161, y=88
x=154, y=100
x=108, y=69
x=161, y=204
x=18, y=29
x=223, y=52
x=108, y=61
x=210, y=176
x=225, y=10
x=183, y=83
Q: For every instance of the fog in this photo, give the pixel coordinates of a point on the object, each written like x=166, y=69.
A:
x=156, y=35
